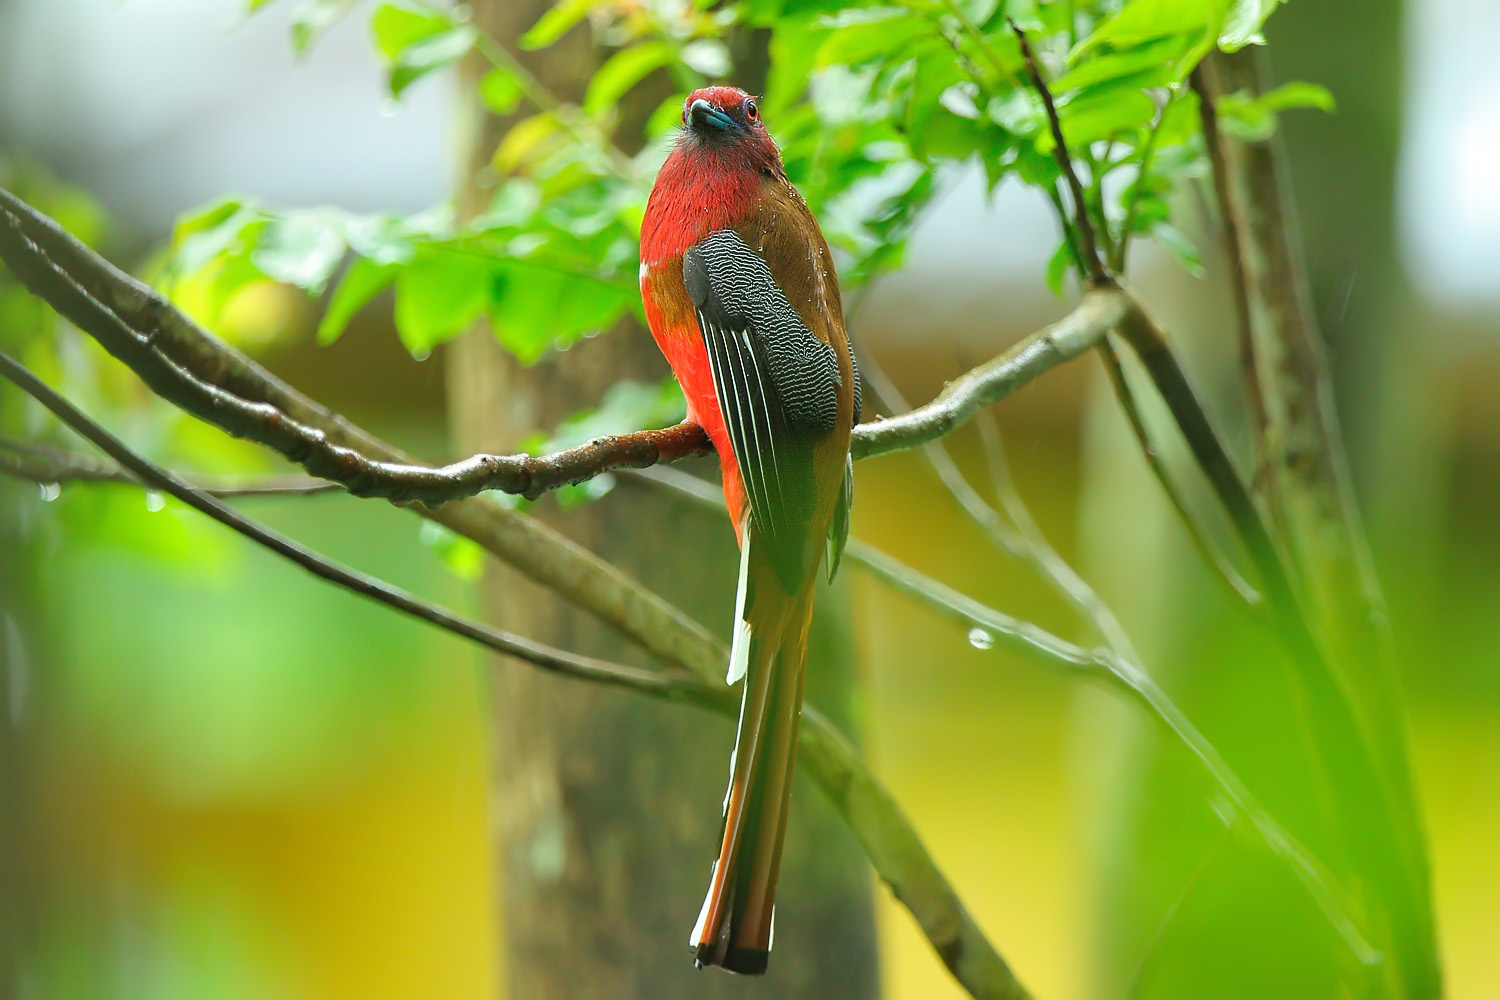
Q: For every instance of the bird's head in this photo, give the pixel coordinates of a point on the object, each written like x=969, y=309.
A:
x=725, y=123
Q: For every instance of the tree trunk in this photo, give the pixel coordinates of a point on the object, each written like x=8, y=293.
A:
x=606, y=807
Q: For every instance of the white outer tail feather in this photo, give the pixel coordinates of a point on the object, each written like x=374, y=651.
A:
x=739, y=649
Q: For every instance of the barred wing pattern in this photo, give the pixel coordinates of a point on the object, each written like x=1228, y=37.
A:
x=777, y=385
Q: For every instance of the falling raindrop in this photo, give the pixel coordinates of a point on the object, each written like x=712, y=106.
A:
x=155, y=501
x=49, y=491
x=980, y=639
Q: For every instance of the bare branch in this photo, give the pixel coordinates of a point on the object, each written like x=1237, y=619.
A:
x=39, y=463
x=1196, y=530
x=1100, y=311
x=1088, y=245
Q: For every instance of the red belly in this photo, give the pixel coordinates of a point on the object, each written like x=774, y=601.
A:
x=684, y=351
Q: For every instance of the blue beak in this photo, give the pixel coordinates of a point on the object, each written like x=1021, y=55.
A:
x=702, y=113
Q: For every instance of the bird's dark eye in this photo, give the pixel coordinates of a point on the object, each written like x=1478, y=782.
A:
x=752, y=111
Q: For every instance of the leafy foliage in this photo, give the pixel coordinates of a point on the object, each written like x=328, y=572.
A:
x=875, y=105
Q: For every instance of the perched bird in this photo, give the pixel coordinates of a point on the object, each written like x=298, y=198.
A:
x=741, y=297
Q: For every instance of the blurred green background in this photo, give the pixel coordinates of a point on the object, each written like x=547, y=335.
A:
x=225, y=779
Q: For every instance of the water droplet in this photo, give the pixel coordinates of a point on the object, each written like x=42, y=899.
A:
x=390, y=108
x=421, y=354
x=462, y=14
x=155, y=501
x=49, y=491
x=980, y=639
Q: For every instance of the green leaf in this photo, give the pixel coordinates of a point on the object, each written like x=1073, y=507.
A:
x=501, y=90
x=1180, y=247
x=1141, y=21
x=555, y=23
x=536, y=307
x=1299, y=94
x=463, y=556
x=626, y=406
x=414, y=40
x=312, y=18
x=302, y=249
x=1153, y=58
x=1100, y=115
x=440, y=295
x=622, y=71
x=864, y=34
x=1020, y=113
x=361, y=282
x=198, y=240
x=435, y=53
x=1243, y=23
x=397, y=26
x=1255, y=119
x=1057, y=266
x=382, y=238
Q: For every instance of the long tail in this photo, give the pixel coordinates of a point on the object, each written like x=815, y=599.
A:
x=734, y=929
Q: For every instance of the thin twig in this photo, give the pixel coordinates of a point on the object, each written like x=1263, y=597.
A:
x=1168, y=921
x=1223, y=569
x=1085, y=327
x=1122, y=246
x=671, y=686
x=1229, y=230
x=1097, y=275
x=41, y=464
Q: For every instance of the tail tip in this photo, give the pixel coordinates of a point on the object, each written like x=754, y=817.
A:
x=744, y=961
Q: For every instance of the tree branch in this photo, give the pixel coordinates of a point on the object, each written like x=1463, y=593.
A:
x=39, y=463
x=889, y=840
x=1205, y=85
x=1100, y=311
x=680, y=686
x=1088, y=245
